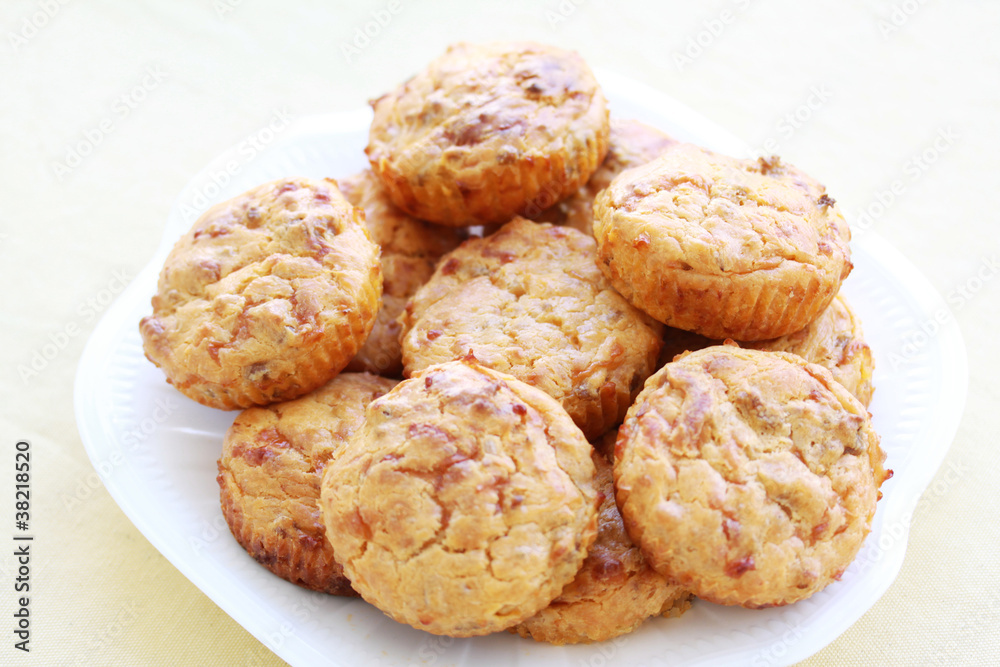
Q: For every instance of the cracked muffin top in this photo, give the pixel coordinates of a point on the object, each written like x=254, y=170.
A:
x=529, y=300
x=267, y=297
x=748, y=477
x=727, y=248
x=269, y=477
x=464, y=503
x=486, y=130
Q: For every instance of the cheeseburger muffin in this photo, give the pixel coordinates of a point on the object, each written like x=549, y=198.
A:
x=727, y=248
x=269, y=477
x=488, y=130
x=267, y=297
x=464, y=504
x=630, y=144
x=410, y=247
x=530, y=301
x=748, y=477
x=614, y=592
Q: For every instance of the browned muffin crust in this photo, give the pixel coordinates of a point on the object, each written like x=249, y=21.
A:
x=267, y=297
x=464, y=503
x=726, y=248
x=269, y=477
x=749, y=477
x=488, y=130
x=530, y=301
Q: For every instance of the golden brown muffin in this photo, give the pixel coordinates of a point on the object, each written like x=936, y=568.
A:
x=749, y=477
x=269, y=476
x=630, y=144
x=488, y=130
x=267, y=297
x=410, y=247
x=833, y=340
x=464, y=504
x=530, y=301
x=614, y=592
x=836, y=341
x=726, y=248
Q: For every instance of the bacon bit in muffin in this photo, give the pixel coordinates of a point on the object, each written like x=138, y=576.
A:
x=768, y=165
x=738, y=568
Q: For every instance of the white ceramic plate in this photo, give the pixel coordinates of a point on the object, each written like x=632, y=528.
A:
x=156, y=450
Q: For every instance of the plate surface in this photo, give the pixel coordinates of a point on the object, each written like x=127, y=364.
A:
x=156, y=450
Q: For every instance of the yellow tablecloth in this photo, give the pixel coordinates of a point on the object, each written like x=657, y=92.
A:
x=108, y=109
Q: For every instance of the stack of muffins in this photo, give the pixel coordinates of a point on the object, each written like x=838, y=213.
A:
x=536, y=369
